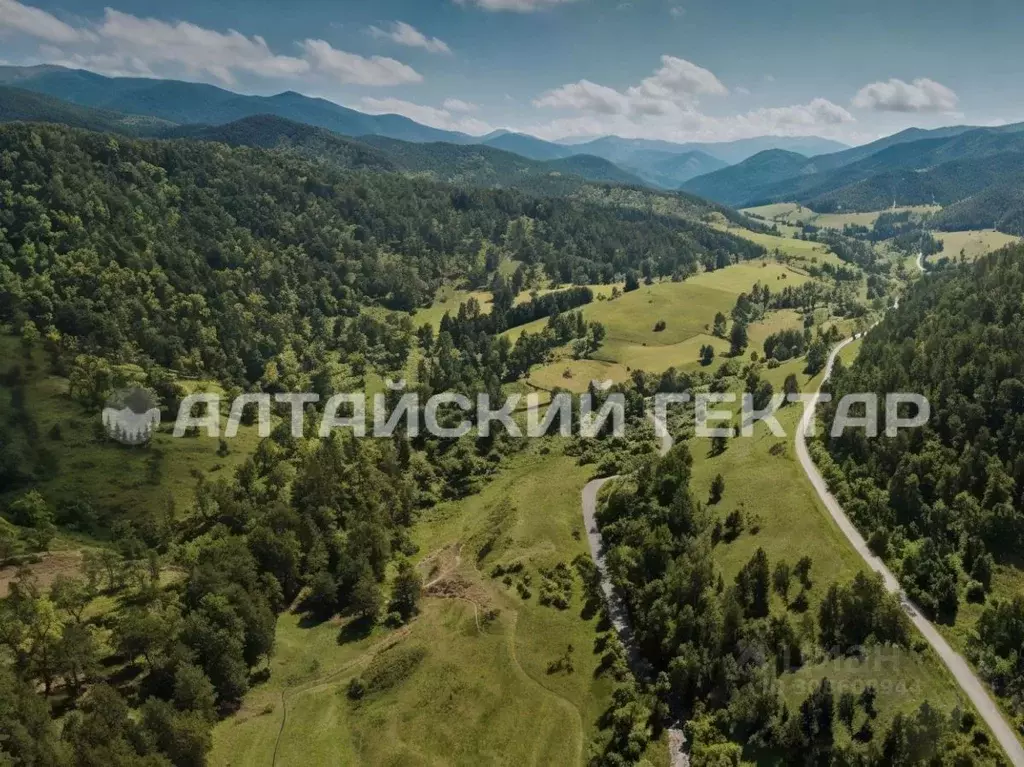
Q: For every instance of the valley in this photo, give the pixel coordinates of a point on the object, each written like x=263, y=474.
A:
x=360, y=568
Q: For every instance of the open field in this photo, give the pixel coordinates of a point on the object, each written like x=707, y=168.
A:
x=481, y=693
x=688, y=309
x=765, y=480
x=610, y=361
x=802, y=252
x=88, y=466
x=792, y=214
x=974, y=244
x=449, y=299
x=51, y=565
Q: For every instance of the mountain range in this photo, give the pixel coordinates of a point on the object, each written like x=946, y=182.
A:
x=658, y=163
x=974, y=173
x=472, y=164
x=914, y=167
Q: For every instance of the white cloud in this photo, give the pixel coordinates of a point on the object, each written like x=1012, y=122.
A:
x=677, y=12
x=921, y=95
x=585, y=96
x=678, y=80
x=122, y=44
x=666, y=105
x=671, y=90
x=353, y=69
x=742, y=91
x=686, y=123
x=37, y=23
x=408, y=35
x=815, y=114
x=517, y=6
x=458, y=105
x=198, y=50
x=427, y=115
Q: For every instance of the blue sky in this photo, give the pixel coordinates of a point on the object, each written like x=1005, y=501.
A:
x=670, y=69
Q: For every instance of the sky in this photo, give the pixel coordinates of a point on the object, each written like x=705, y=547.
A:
x=676, y=70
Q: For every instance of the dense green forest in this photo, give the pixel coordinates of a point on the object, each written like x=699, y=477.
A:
x=143, y=262
x=213, y=260
x=717, y=649
x=472, y=164
x=1000, y=207
x=943, y=167
x=942, y=502
x=17, y=105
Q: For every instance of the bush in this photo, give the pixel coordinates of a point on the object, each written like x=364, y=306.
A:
x=976, y=593
x=392, y=666
x=356, y=689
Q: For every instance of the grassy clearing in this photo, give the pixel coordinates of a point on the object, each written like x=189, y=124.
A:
x=615, y=360
x=974, y=244
x=688, y=309
x=67, y=562
x=801, y=252
x=305, y=656
x=764, y=479
x=448, y=300
x=87, y=465
x=792, y=214
x=482, y=693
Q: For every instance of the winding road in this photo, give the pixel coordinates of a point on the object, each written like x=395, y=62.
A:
x=962, y=673
x=617, y=612
x=958, y=667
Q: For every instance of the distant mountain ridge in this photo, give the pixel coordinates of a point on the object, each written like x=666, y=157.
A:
x=196, y=103
x=728, y=152
x=656, y=163
x=22, y=105
x=472, y=164
x=911, y=167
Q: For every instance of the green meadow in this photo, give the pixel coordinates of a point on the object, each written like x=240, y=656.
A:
x=792, y=213
x=764, y=479
x=84, y=464
x=479, y=688
x=973, y=244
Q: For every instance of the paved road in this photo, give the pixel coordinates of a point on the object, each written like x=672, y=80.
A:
x=963, y=674
x=617, y=612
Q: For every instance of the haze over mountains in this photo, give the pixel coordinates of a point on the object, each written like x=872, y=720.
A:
x=658, y=163
x=915, y=167
x=972, y=172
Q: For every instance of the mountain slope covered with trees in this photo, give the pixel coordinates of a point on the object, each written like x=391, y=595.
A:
x=210, y=259
x=942, y=502
x=913, y=168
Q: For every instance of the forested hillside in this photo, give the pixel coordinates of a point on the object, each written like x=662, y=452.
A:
x=912, y=168
x=999, y=207
x=471, y=164
x=943, y=502
x=189, y=103
x=25, y=106
x=749, y=179
x=720, y=650
x=205, y=258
